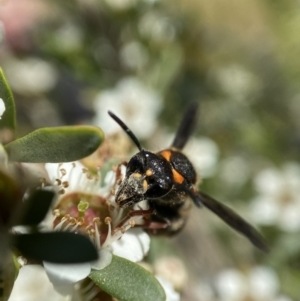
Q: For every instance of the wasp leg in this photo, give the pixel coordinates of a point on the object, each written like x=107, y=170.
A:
x=134, y=213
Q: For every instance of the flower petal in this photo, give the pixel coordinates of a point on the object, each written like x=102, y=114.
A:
x=263, y=283
x=2, y=107
x=32, y=284
x=171, y=294
x=264, y=210
x=231, y=285
x=64, y=276
x=105, y=258
x=133, y=245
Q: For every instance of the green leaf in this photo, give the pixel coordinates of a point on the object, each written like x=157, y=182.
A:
x=54, y=145
x=8, y=119
x=57, y=247
x=127, y=281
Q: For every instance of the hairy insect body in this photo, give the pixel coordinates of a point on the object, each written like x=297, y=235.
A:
x=170, y=213
x=167, y=180
x=173, y=209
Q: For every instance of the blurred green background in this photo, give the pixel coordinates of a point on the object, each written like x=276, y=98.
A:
x=68, y=62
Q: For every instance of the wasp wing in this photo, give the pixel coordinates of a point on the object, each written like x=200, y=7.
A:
x=186, y=127
x=234, y=220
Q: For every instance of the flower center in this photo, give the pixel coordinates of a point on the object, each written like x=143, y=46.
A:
x=90, y=211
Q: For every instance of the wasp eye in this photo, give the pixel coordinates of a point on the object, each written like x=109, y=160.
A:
x=151, y=180
x=135, y=165
x=155, y=191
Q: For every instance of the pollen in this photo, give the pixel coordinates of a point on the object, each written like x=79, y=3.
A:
x=63, y=171
x=89, y=176
x=56, y=212
x=43, y=181
x=72, y=221
x=58, y=182
x=65, y=184
x=132, y=223
x=107, y=220
x=96, y=220
x=80, y=221
x=61, y=191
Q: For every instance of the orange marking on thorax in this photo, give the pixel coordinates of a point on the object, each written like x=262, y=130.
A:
x=178, y=178
x=166, y=154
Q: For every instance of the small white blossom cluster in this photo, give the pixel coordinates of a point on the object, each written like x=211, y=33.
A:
x=31, y=75
x=259, y=283
x=278, y=197
x=133, y=102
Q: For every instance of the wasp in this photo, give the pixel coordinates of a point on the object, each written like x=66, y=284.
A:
x=167, y=181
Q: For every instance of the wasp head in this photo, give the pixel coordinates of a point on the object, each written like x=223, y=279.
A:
x=148, y=176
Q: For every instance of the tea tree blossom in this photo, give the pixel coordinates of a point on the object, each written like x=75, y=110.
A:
x=172, y=269
x=134, y=102
x=32, y=284
x=31, y=75
x=171, y=294
x=278, y=198
x=204, y=154
x=257, y=284
x=87, y=206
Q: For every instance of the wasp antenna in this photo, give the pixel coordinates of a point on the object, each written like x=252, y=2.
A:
x=126, y=129
x=186, y=127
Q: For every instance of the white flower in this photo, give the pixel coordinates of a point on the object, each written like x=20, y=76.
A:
x=87, y=206
x=32, y=284
x=134, y=55
x=2, y=107
x=236, y=81
x=204, y=154
x=235, y=171
x=31, y=75
x=69, y=37
x=63, y=276
x=278, y=199
x=156, y=27
x=133, y=245
x=136, y=104
x=172, y=269
x=258, y=284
